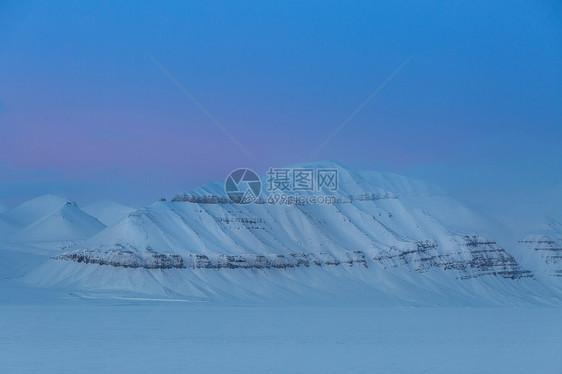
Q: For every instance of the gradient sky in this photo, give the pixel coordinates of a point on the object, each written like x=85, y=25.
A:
x=85, y=113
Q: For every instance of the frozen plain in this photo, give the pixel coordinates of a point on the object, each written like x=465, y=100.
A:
x=93, y=336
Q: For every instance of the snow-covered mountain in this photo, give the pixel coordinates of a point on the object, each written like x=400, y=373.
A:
x=67, y=222
x=108, y=212
x=48, y=218
x=32, y=210
x=384, y=239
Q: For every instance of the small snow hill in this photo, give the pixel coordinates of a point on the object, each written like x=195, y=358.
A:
x=32, y=210
x=108, y=212
x=50, y=218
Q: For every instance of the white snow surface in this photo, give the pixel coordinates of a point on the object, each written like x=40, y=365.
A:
x=47, y=218
x=108, y=212
x=32, y=210
x=178, y=337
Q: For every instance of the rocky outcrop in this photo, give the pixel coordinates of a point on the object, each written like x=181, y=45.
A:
x=476, y=257
x=123, y=258
x=213, y=199
x=548, y=250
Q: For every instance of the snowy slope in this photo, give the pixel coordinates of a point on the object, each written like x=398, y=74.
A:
x=3, y=208
x=386, y=239
x=67, y=222
x=6, y=229
x=108, y=212
x=47, y=218
x=32, y=210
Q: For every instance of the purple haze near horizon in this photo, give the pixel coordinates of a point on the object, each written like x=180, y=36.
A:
x=85, y=113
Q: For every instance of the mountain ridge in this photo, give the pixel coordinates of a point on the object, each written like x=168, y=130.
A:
x=398, y=227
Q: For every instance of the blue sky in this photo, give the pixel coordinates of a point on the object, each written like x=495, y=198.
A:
x=85, y=113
